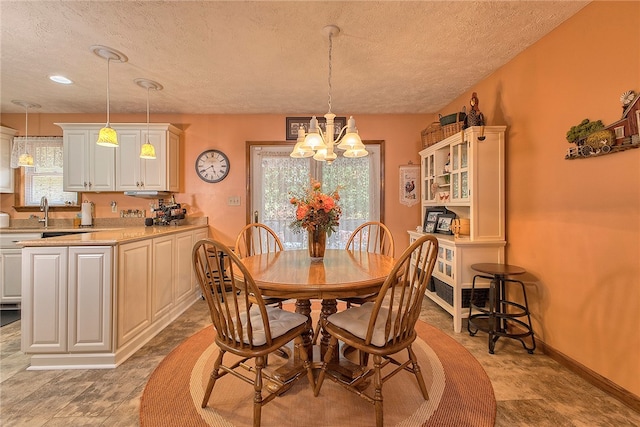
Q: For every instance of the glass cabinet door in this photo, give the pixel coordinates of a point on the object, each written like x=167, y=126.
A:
x=460, y=171
x=428, y=178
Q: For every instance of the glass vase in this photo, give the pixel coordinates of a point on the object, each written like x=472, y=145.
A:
x=317, y=244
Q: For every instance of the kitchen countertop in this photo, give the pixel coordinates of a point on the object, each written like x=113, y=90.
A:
x=99, y=236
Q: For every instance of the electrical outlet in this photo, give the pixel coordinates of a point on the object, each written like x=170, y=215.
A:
x=233, y=201
x=114, y=207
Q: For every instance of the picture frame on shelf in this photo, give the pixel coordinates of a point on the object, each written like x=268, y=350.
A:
x=443, y=224
x=431, y=218
x=293, y=123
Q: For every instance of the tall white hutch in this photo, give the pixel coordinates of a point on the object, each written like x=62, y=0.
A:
x=465, y=173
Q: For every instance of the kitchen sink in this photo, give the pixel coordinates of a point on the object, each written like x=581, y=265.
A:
x=59, y=233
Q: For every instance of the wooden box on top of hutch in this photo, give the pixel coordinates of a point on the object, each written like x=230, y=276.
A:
x=465, y=173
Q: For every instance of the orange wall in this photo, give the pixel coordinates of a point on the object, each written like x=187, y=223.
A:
x=229, y=133
x=574, y=224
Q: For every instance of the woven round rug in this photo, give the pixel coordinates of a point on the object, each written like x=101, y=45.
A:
x=460, y=392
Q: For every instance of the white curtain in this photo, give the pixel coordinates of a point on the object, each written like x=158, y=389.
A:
x=23, y=144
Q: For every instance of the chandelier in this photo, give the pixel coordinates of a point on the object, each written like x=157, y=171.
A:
x=108, y=136
x=26, y=159
x=321, y=144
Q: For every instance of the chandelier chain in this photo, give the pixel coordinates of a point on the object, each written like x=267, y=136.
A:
x=329, y=78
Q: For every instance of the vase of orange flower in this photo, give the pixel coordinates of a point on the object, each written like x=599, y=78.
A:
x=317, y=213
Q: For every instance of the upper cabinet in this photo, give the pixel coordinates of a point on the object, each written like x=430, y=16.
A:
x=89, y=167
x=134, y=173
x=465, y=173
x=6, y=173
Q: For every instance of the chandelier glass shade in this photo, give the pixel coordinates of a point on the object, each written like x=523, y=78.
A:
x=107, y=136
x=321, y=144
x=26, y=160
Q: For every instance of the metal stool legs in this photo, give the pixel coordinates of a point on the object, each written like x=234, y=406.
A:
x=496, y=319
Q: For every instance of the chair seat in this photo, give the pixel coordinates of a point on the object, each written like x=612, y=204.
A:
x=356, y=321
x=281, y=322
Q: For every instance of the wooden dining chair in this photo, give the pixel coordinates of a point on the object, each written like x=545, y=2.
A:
x=249, y=331
x=386, y=326
x=374, y=237
x=256, y=239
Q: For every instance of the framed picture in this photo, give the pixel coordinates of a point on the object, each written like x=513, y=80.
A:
x=443, y=225
x=293, y=123
x=409, y=184
x=431, y=218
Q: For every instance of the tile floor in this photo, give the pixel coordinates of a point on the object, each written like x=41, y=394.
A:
x=531, y=390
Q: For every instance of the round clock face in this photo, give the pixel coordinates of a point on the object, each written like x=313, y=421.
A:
x=212, y=166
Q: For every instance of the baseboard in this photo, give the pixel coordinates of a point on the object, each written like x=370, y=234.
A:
x=604, y=384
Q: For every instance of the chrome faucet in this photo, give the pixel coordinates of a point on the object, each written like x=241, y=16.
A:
x=44, y=207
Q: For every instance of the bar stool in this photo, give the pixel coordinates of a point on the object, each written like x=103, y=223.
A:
x=496, y=319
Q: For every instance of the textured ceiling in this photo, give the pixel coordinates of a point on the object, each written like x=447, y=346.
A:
x=236, y=57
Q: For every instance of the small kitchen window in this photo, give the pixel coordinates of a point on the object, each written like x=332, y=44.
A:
x=45, y=178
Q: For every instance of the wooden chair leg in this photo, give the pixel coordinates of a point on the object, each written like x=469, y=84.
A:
x=212, y=378
x=257, y=395
x=323, y=369
x=304, y=356
x=418, y=373
x=377, y=395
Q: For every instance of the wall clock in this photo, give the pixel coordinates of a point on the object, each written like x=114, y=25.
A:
x=212, y=166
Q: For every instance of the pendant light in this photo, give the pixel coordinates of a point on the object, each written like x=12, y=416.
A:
x=26, y=159
x=107, y=136
x=148, y=151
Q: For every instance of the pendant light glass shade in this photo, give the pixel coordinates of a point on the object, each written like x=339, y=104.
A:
x=299, y=151
x=147, y=150
x=108, y=136
x=26, y=160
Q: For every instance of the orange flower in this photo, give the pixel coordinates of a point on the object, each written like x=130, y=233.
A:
x=316, y=210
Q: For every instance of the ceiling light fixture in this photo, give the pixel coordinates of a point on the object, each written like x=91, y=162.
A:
x=148, y=151
x=26, y=159
x=107, y=136
x=61, y=79
x=320, y=144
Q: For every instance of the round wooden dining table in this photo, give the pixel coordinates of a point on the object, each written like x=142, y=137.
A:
x=341, y=273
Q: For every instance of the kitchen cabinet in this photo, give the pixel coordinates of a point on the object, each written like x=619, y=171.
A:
x=6, y=172
x=89, y=298
x=465, y=173
x=90, y=306
x=70, y=290
x=87, y=166
x=11, y=266
x=133, y=290
x=134, y=173
x=162, y=295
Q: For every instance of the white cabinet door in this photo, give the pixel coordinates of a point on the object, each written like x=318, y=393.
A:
x=154, y=172
x=163, y=276
x=44, y=307
x=6, y=173
x=90, y=285
x=87, y=166
x=10, y=275
x=184, y=285
x=134, y=290
x=128, y=161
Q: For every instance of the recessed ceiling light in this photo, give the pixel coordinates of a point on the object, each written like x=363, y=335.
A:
x=61, y=79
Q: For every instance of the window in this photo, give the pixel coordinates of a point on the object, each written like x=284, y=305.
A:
x=273, y=174
x=45, y=177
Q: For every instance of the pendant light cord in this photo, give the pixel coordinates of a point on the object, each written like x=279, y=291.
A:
x=148, y=115
x=108, y=61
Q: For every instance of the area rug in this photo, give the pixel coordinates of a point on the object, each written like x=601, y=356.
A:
x=460, y=393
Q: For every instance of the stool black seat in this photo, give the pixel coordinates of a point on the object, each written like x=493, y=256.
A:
x=501, y=313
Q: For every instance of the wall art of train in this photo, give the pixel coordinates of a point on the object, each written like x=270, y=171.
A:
x=594, y=139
